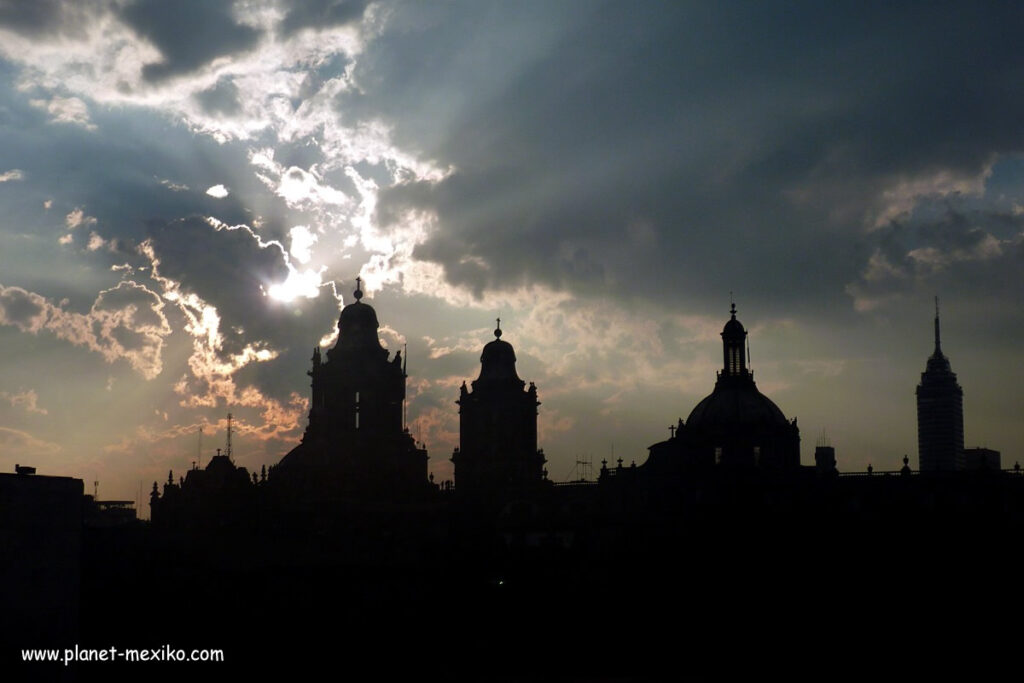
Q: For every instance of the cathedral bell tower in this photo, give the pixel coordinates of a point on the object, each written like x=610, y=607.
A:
x=356, y=444
x=497, y=427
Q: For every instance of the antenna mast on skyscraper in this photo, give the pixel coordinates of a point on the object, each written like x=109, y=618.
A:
x=228, y=449
x=199, y=449
x=405, y=364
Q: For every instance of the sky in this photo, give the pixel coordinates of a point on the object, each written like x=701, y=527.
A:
x=189, y=190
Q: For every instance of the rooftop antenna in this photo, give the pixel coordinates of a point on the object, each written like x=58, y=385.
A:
x=96, y=489
x=228, y=449
x=585, y=468
x=938, y=349
x=199, y=448
x=405, y=409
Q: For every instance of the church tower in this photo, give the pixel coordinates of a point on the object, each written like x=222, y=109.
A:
x=356, y=444
x=940, y=413
x=736, y=426
x=497, y=427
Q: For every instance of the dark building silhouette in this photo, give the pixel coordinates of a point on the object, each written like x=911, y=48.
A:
x=940, y=413
x=980, y=458
x=721, y=520
x=356, y=444
x=219, y=497
x=41, y=521
x=735, y=426
x=497, y=427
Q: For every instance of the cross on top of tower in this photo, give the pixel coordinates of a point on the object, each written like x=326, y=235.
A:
x=358, y=294
x=497, y=330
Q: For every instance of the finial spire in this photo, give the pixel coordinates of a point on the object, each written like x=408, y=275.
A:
x=938, y=348
x=358, y=294
x=732, y=309
x=497, y=330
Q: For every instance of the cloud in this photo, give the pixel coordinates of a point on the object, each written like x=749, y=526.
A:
x=13, y=174
x=217, y=191
x=15, y=443
x=220, y=99
x=77, y=217
x=42, y=17
x=318, y=14
x=188, y=33
x=970, y=252
x=246, y=346
x=27, y=400
x=70, y=110
x=125, y=322
x=733, y=137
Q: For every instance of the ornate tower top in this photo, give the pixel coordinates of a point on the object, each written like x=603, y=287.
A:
x=498, y=360
x=733, y=339
x=357, y=325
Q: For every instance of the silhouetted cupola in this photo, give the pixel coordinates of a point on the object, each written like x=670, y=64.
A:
x=498, y=361
x=733, y=340
x=357, y=325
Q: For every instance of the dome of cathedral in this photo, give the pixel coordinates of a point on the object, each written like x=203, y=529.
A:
x=734, y=407
x=498, y=360
x=357, y=325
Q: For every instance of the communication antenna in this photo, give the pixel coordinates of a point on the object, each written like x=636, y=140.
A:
x=584, y=468
x=96, y=489
x=199, y=448
x=405, y=363
x=228, y=448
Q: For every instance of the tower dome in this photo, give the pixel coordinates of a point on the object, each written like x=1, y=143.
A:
x=498, y=360
x=357, y=324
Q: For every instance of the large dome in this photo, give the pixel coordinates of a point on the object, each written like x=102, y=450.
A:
x=735, y=406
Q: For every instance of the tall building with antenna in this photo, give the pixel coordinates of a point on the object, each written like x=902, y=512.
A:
x=940, y=413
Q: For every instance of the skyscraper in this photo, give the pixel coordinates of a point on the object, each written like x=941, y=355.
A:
x=940, y=413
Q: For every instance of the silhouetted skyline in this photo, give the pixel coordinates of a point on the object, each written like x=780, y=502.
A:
x=187, y=201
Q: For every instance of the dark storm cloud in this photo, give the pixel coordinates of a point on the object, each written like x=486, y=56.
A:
x=222, y=98
x=685, y=148
x=321, y=14
x=229, y=269
x=42, y=17
x=188, y=33
x=974, y=254
x=23, y=309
